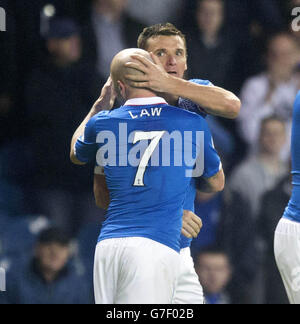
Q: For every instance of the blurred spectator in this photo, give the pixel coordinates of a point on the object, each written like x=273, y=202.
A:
x=260, y=171
x=235, y=235
x=58, y=96
x=212, y=55
x=272, y=92
x=49, y=276
x=243, y=13
x=211, y=52
x=272, y=208
x=32, y=20
x=248, y=23
x=108, y=30
x=155, y=11
x=214, y=271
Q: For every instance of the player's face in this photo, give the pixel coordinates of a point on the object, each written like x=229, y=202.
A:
x=171, y=51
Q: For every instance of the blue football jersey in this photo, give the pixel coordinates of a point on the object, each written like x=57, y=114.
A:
x=292, y=212
x=148, y=151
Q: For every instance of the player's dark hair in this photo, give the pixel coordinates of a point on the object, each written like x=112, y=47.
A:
x=166, y=29
x=212, y=250
x=53, y=235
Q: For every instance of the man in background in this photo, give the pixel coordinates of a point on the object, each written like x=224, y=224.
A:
x=59, y=93
x=214, y=270
x=49, y=276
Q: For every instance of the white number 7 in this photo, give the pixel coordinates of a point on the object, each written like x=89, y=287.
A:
x=142, y=136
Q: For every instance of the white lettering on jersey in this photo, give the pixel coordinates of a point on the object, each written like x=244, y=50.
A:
x=132, y=116
x=152, y=113
x=156, y=111
x=145, y=113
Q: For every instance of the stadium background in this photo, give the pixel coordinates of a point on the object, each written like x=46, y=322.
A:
x=47, y=87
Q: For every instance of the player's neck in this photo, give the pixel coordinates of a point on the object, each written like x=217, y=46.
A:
x=140, y=94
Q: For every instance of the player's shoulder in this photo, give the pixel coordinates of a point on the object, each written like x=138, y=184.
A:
x=102, y=115
x=96, y=120
x=182, y=113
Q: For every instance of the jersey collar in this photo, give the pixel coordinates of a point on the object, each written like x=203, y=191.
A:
x=146, y=101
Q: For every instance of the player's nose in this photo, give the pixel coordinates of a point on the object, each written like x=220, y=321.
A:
x=172, y=60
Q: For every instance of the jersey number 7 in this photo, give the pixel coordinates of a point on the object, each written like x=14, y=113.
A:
x=155, y=137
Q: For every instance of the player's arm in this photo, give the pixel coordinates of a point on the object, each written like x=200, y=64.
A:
x=104, y=102
x=213, y=184
x=212, y=180
x=191, y=224
x=101, y=192
x=217, y=101
x=76, y=137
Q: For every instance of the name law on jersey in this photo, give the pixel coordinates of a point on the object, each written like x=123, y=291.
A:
x=147, y=113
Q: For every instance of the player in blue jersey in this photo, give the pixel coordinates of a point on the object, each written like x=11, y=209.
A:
x=287, y=235
x=137, y=257
x=170, y=54
x=168, y=46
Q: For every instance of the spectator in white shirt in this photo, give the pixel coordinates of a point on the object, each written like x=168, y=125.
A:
x=273, y=91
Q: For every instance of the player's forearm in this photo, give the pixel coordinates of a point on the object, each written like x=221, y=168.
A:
x=216, y=101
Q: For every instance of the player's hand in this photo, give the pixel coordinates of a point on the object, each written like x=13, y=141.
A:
x=155, y=77
x=107, y=97
x=191, y=224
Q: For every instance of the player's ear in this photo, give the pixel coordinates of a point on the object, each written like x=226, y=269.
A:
x=120, y=86
x=121, y=90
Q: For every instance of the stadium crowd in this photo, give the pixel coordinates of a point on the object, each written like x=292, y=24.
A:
x=54, y=60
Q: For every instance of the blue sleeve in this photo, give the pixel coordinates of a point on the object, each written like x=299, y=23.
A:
x=86, y=146
x=212, y=161
x=191, y=106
